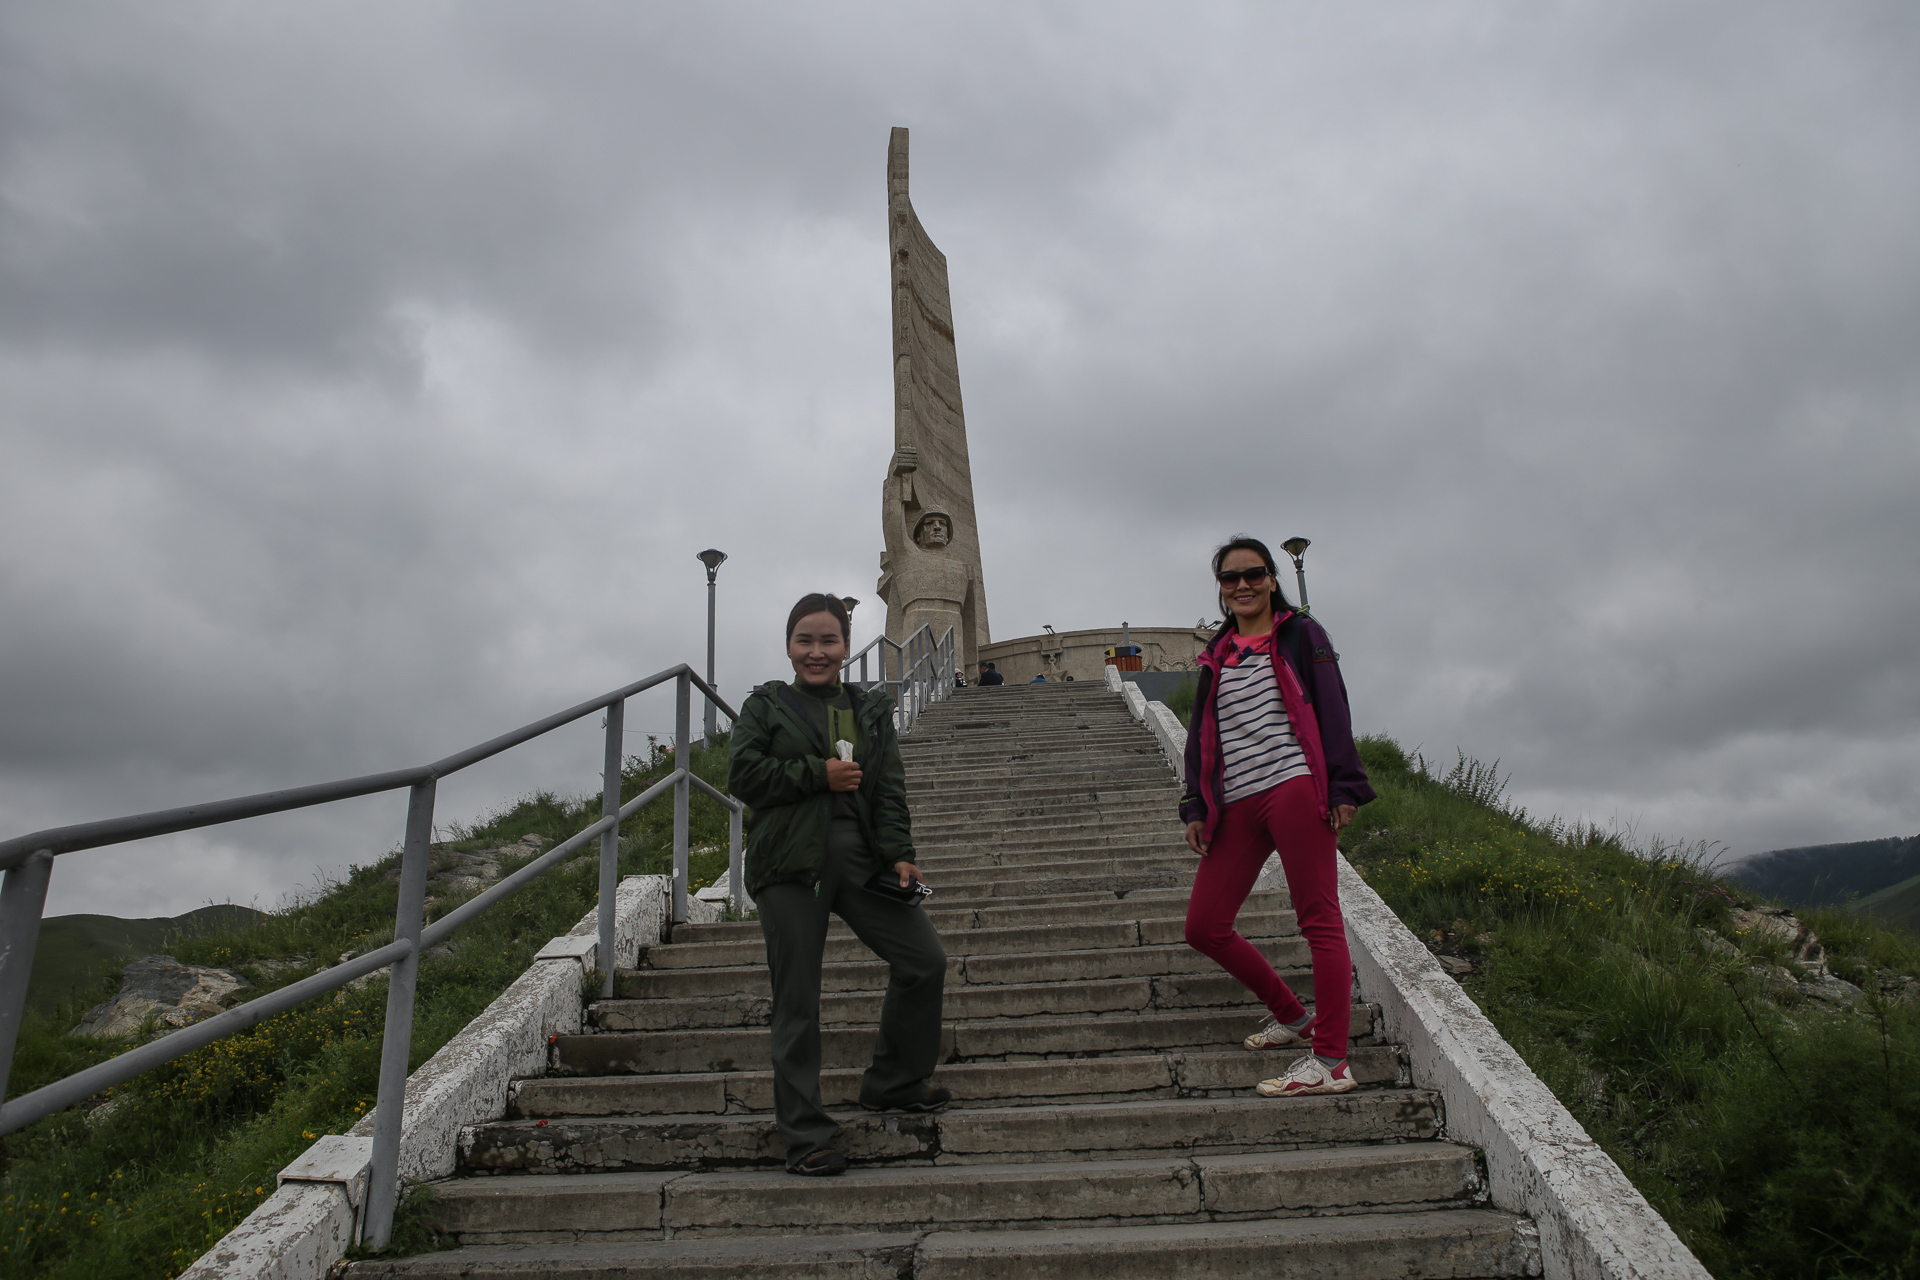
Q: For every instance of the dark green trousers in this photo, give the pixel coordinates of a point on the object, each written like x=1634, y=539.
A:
x=794, y=920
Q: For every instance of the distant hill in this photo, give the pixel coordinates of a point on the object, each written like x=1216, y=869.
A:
x=77, y=952
x=1897, y=904
x=1831, y=874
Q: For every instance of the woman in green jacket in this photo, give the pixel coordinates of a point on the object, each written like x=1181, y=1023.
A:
x=819, y=828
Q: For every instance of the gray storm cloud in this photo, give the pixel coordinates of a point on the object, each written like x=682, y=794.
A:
x=369, y=377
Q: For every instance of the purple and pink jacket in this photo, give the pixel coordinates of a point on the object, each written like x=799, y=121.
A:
x=1316, y=703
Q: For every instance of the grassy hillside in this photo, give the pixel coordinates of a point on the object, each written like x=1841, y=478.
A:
x=144, y=1186
x=1830, y=874
x=77, y=956
x=1778, y=1134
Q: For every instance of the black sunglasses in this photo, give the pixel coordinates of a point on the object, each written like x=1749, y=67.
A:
x=1254, y=576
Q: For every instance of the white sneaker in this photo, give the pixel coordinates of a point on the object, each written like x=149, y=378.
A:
x=1275, y=1034
x=1309, y=1075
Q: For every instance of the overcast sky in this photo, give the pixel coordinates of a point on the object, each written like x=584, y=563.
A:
x=370, y=375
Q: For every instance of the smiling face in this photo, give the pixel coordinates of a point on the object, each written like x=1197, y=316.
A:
x=1250, y=605
x=817, y=649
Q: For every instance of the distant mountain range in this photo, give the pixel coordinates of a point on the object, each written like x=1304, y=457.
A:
x=77, y=952
x=1881, y=877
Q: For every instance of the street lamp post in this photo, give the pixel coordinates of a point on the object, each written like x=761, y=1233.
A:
x=713, y=560
x=1297, y=548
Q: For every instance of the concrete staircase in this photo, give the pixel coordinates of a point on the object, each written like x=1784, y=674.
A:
x=1106, y=1123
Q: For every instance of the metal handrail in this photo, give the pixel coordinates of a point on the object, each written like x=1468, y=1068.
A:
x=925, y=669
x=28, y=863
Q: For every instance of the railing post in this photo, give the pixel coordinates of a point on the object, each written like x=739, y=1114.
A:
x=383, y=1180
x=610, y=839
x=682, y=790
x=22, y=898
x=736, y=882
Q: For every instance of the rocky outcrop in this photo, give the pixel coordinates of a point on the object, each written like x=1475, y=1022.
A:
x=161, y=990
x=1806, y=969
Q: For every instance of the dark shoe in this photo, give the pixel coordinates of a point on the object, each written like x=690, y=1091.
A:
x=933, y=1100
x=936, y=1100
x=824, y=1163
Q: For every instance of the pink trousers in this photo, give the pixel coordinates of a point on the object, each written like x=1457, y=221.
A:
x=1283, y=818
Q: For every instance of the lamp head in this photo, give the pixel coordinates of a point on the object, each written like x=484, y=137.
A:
x=851, y=604
x=713, y=560
x=1295, y=547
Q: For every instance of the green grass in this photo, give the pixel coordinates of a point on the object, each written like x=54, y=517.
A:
x=1779, y=1136
x=187, y=1151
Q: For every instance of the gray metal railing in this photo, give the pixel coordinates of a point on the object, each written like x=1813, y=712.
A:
x=923, y=671
x=28, y=863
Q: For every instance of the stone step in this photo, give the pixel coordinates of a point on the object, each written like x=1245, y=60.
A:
x=543, y=1208
x=929, y=821
x=1057, y=998
x=1481, y=1243
x=1010, y=1039
x=746, y=948
x=976, y=1084
x=984, y=1135
x=1154, y=904
x=1130, y=960
x=1145, y=765
x=1020, y=849
x=1085, y=747
x=1006, y=793
x=1024, y=870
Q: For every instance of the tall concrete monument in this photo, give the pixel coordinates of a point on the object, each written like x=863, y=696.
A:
x=930, y=571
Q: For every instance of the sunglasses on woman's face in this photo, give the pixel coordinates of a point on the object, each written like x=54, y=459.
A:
x=1231, y=577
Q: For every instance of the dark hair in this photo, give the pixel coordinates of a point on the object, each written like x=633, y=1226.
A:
x=1241, y=542
x=820, y=603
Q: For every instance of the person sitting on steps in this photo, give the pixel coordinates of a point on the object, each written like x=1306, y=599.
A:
x=1271, y=765
x=818, y=829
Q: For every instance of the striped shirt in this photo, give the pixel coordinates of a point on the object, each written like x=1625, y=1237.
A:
x=1257, y=746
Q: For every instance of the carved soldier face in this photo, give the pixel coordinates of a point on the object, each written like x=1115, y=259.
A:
x=933, y=532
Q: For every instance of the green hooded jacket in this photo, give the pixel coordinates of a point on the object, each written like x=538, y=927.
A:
x=778, y=766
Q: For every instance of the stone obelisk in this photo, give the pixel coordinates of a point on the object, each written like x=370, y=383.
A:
x=930, y=571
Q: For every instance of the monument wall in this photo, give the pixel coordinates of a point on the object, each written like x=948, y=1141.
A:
x=1082, y=654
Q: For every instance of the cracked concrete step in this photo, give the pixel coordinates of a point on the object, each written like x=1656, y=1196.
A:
x=546, y=1208
x=985, y=1135
x=1091, y=833
x=1013, y=792
x=1015, y=846
x=1125, y=961
x=1148, y=765
x=1439, y=1244
x=1056, y=998
x=1013, y=1039
x=1061, y=812
x=745, y=949
x=975, y=1084
x=1158, y=907
x=1090, y=737
x=1023, y=871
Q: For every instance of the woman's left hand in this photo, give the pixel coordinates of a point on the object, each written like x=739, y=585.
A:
x=1342, y=815
x=908, y=873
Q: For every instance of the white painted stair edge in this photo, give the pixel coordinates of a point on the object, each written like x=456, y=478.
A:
x=1594, y=1224
x=306, y=1226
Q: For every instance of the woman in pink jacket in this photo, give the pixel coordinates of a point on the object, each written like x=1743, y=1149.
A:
x=1271, y=765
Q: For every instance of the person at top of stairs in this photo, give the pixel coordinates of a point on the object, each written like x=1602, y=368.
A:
x=818, y=763
x=1271, y=765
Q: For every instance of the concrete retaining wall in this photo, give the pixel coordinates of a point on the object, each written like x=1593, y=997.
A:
x=304, y=1227
x=1594, y=1225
